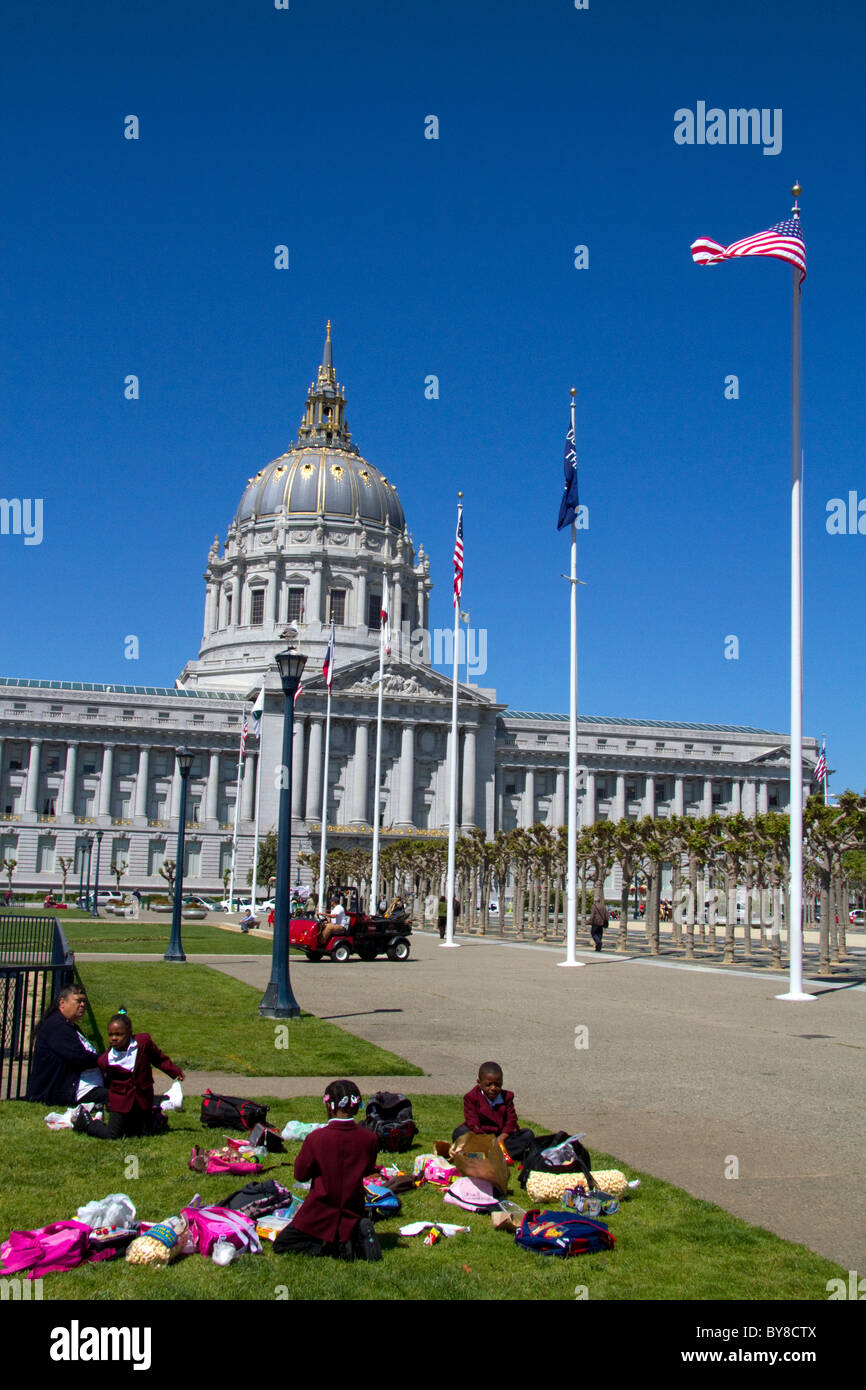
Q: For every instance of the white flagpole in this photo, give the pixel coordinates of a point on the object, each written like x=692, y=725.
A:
x=571, y=908
x=452, y=799
x=324, y=844
x=237, y=816
x=795, y=853
x=824, y=756
x=256, y=830
x=374, y=874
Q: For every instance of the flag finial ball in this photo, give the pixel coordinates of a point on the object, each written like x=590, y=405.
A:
x=797, y=191
x=573, y=391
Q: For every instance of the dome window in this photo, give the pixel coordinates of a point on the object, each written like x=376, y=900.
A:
x=257, y=607
x=296, y=606
x=337, y=604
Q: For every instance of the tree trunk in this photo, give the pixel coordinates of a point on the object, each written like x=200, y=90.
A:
x=730, y=917
x=824, y=926
x=622, y=943
x=776, y=927
x=676, y=923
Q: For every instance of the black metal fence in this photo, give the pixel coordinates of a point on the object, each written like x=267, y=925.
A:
x=35, y=963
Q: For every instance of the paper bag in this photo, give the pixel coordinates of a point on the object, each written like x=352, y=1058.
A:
x=479, y=1156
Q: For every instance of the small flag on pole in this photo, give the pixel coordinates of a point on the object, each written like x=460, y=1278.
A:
x=784, y=241
x=569, y=504
x=820, y=771
x=328, y=667
x=244, y=735
x=296, y=694
x=385, y=633
x=458, y=559
x=258, y=711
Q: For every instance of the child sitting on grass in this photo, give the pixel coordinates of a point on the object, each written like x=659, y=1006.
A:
x=488, y=1109
x=337, y=1157
x=126, y=1067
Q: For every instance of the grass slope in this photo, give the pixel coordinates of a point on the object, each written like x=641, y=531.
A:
x=207, y=1021
x=152, y=938
x=669, y=1245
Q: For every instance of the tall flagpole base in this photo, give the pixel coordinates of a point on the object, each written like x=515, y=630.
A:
x=797, y=998
x=577, y=964
x=445, y=945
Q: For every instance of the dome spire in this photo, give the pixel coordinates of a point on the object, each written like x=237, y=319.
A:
x=324, y=419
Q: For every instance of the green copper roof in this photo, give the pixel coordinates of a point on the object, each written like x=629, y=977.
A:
x=640, y=723
x=96, y=688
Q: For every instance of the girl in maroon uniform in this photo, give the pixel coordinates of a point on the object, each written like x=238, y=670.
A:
x=337, y=1158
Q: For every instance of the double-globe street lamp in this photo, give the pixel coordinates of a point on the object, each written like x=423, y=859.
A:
x=175, y=948
x=94, y=911
x=278, y=1001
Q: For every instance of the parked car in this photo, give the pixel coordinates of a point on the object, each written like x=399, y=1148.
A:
x=196, y=900
x=857, y=917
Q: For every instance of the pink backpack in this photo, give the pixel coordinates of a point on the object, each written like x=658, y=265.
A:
x=210, y=1224
x=47, y=1250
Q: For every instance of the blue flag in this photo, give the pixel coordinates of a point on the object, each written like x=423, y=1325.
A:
x=569, y=504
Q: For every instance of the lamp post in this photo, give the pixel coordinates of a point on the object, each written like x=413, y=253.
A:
x=278, y=1000
x=82, y=840
x=94, y=911
x=175, y=948
x=88, y=841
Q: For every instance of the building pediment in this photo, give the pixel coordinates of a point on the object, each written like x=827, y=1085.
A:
x=402, y=681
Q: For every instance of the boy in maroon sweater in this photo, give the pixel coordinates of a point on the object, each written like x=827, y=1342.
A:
x=488, y=1109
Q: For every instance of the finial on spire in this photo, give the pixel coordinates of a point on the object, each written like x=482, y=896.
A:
x=327, y=355
x=798, y=193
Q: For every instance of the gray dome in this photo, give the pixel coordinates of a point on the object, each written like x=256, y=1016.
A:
x=307, y=482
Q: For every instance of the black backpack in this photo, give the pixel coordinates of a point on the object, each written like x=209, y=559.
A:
x=231, y=1112
x=389, y=1116
x=258, y=1198
x=534, y=1163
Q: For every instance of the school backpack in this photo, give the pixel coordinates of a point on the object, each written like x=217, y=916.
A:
x=231, y=1112
x=379, y=1200
x=534, y=1161
x=389, y=1116
x=258, y=1199
x=562, y=1233
x=210, y=1224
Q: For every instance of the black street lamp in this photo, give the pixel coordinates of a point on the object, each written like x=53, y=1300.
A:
x=94, y=911
x=278, y=1000
x=81, y=842
x=175, y=948
x=88, y=841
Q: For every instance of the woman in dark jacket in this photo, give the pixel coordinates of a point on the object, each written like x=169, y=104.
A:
x=126, y=1067
x=64, y=1068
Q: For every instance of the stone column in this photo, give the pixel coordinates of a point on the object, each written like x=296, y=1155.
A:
x=213, y=785
x=736, y=797
x=174, y=808
x=467, y=819
x=32, y=793
x=407, y=778
x=560, y=802
x=589, y=802
x=68, y=806
x=361, y=599
x=498, y=804
x=529, y=798
x=763, y=798
x=360, y=763
x=298, y=769
x=750, y=801
x=141, y=781
x=679, y=799
x=619, y=800
x=248, y=787
x=105, y=780
x=314, y=769
x=208, y=610
x=313, y=612
x=649, y=799
x=707, y=801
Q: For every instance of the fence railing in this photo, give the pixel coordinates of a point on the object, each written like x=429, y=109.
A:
x=35, y=963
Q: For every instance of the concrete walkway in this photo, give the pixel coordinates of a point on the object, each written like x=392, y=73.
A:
x=688, y=1072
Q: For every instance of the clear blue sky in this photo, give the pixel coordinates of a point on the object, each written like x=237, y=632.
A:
x=453, y=257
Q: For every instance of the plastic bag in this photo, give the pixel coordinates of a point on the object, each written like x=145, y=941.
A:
x=561, y=1154
x=297, y=1129
x=114, y=1210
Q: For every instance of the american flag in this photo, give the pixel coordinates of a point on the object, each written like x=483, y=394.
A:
x=784, y=241
x=328, y=667
x=384, y=631
x=244, y=735
x=458, y=558
x=296, y=694
x=820, y=768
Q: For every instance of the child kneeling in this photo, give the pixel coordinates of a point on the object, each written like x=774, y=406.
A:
x=126, y=1067
x=338, y=1157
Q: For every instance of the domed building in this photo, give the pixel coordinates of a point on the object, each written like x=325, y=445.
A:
x=315, y=534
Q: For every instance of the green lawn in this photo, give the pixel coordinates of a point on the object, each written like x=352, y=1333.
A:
x=151, y=938
x=669, y=1245
x=207, y=1021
